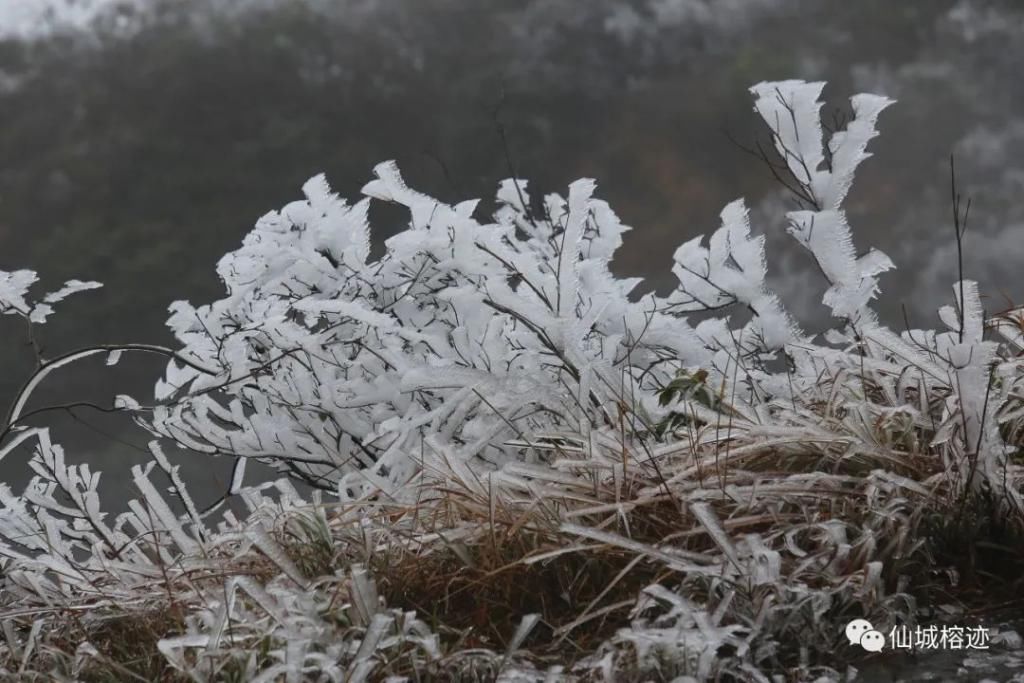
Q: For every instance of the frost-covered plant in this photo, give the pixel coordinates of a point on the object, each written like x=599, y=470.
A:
x=14, y=287
x=337, y=368
x=340, y=369
x=490, y=388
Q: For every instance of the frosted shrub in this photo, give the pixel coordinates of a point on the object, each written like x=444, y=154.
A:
x=344, y=371
x=495, y=379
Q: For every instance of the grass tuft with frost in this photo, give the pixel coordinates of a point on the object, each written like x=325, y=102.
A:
x=727, y=553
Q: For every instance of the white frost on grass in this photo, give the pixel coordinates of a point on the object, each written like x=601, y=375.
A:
x=488, y=387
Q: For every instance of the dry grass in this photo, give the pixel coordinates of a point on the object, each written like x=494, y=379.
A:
x=720, y=551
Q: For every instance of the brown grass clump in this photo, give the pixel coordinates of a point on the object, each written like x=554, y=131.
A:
x=122, y=646
x=483, y=592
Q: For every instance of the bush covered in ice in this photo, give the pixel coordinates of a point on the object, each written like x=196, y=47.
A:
x=520, y=470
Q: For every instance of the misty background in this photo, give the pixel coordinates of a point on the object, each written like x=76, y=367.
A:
x=141, y=139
